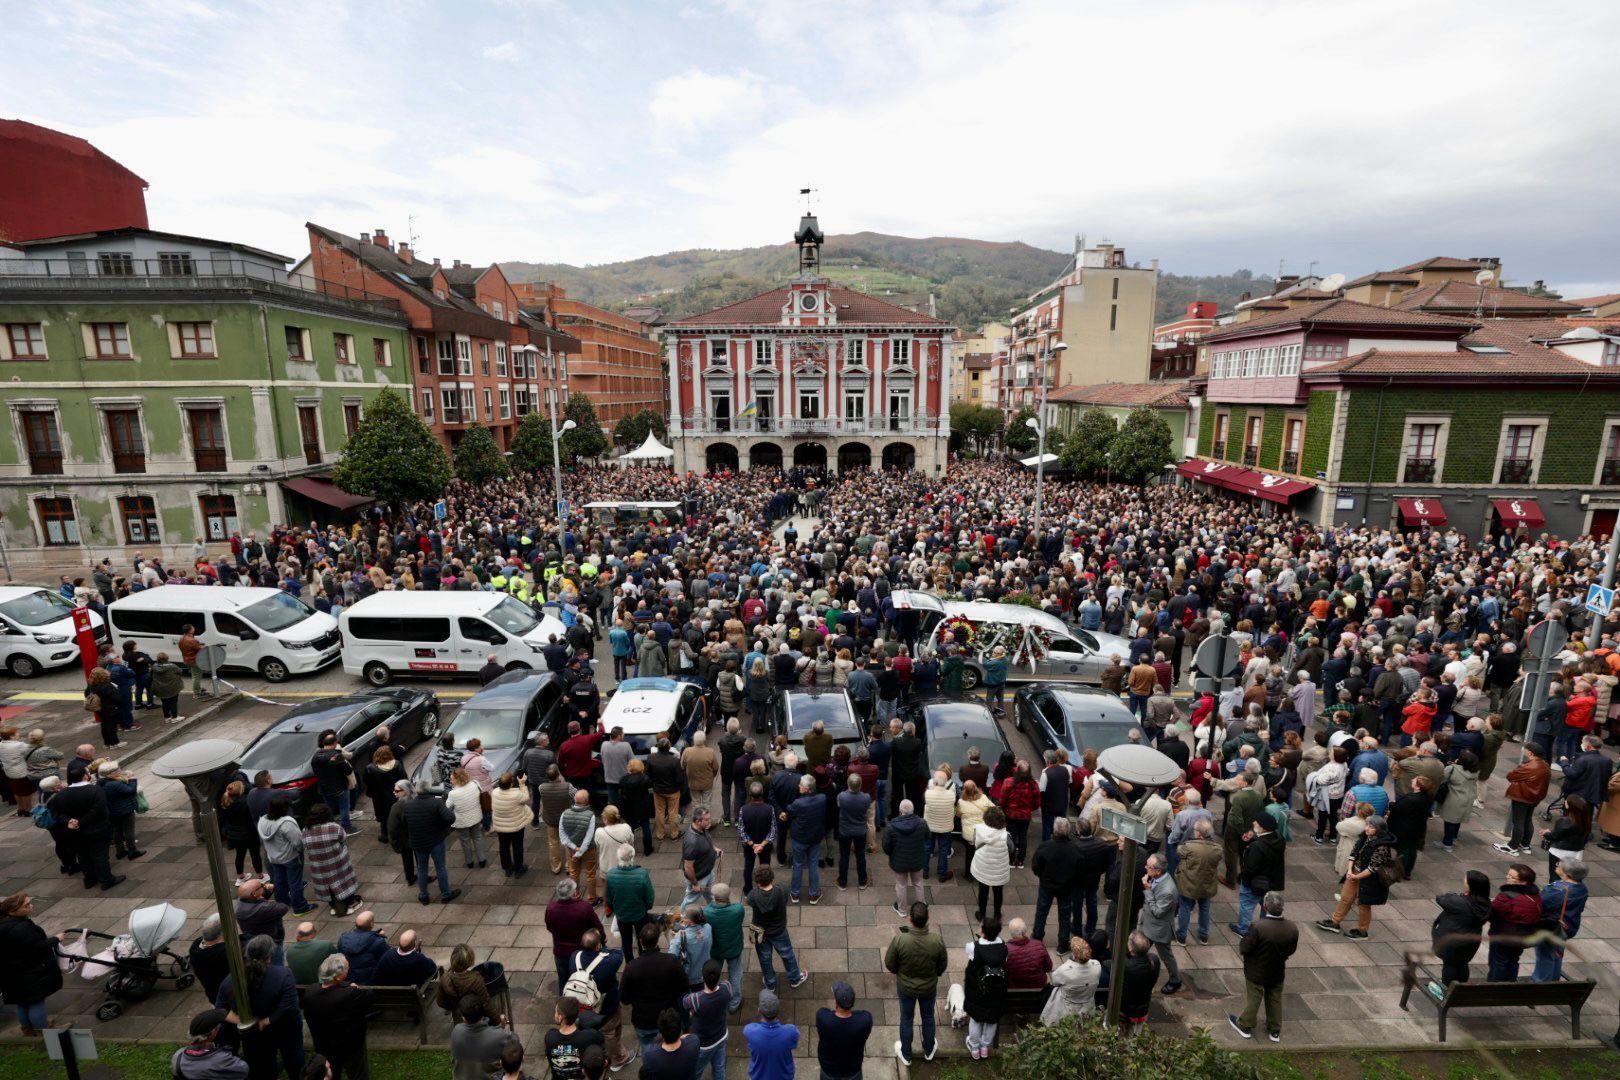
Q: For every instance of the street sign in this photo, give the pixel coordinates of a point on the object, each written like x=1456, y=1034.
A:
x=1599, y=601
x=562, y=511
x=1216, y=656
x=440, y=511
x=1129, y=826
x=1547, y=639
x=211, y=659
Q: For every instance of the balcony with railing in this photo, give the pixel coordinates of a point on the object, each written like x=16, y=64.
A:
x=1217, y=450
x=1611, y=472
x=129, y=461
x=1251, y=455
x=1516, y=471
x=209, y=459
x=1290, y=462
x=1420, y=470
x=832, y=426
x=45, y=462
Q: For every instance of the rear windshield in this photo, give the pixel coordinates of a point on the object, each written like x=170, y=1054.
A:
x=36, y=609
x=1101, y=734
x=280, y=751
x=277, y=612
x=831, y=709
x=499, y=728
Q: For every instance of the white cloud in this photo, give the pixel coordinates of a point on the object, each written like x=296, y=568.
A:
x=697, y=100
x=507, y=52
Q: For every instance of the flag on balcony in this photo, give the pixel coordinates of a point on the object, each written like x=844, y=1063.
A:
x=749, y=411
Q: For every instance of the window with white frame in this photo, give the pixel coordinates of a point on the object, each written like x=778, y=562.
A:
x=1611, y=353
x=506, y=403
x=857, y=351
x=763, y=352
x=902, y=351
x=483, y=357
x=447, y=356
x=427, y=404
x=469, y=405
x=719, y=350
x=1290, y=359
x=500, y=358
x=855, y=404
x=489, y=404
x=464, y=354
x=452, y=408
x=809, y=403
x=1268, y=361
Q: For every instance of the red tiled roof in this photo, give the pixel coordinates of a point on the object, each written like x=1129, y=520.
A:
x=978, y=361
x=1382, y=277
x=1523, y=357
x=1465, y=296
x=1596, y=301
x=1340, y=312
x=1443, y=262
x=854, y=308
x=1160, y=395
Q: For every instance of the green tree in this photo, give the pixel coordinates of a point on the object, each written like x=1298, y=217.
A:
x=586, y=440
x=1019, y=437
x=392, y=455
x=531, y=445
x=478, y=459
x=631, y=431
x=1143, y=447
x=1086, y=451
x=977, y=426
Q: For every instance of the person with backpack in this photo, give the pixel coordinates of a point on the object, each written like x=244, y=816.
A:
x=986, y=986
x=594, y=983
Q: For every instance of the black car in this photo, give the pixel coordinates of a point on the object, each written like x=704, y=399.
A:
x=796, y=708
x=502, y=715
x=950, y=728
x=1072, y=718
x=285, y=748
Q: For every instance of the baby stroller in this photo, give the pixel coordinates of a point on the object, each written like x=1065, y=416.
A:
x=133, y=963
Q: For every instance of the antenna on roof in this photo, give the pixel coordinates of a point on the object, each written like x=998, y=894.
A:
x=410, y=229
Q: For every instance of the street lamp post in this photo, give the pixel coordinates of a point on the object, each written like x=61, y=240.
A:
x=204, y=767
x=1038, y=424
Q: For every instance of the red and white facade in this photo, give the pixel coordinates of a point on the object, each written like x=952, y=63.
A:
x=810, y=374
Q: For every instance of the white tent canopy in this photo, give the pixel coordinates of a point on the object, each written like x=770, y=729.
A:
x=1035, y=460
x=651, y=450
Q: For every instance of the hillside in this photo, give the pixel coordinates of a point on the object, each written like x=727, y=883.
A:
x=973, y=281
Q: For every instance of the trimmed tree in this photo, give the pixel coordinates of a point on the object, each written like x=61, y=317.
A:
x=586, y=440
x=1019, y=437
x=631, y=431
x=531, y=445
x=976, y=426
x=392, y=455
x=1143, y=447
x=1086, y=451
x=478, y=459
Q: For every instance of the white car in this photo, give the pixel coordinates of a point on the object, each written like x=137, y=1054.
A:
x=36, y=630
x=651, y=708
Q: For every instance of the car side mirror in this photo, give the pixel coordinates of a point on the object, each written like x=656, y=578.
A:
x=248, y=635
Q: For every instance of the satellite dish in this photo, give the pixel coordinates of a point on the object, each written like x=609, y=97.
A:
x=1332, y=283
x=1583, y=333
x=1484, y=277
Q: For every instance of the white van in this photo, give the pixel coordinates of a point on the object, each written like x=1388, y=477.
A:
x=441, y=633
x=263, y=630
x=36, y=630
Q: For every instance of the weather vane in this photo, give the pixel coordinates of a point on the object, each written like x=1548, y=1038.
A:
x=807, y=193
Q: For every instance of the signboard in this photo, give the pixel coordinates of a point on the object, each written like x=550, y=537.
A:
x=440, y=511
x=211, y=659
x=84, y=1043
x=1546, y=640
x=1216, y=656
x=1599, y=601
x=1129, y=826
x=562, y=511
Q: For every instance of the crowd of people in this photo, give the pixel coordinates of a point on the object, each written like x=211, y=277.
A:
x=1377, y=687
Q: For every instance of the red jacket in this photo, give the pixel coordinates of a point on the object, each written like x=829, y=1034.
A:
x=1027, y=964
x=574, y=755
x=1019, y=799
x=1419, y=715
x=1578, y=711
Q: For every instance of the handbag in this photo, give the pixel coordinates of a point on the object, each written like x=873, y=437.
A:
x=142, y=805
x=1556, y=926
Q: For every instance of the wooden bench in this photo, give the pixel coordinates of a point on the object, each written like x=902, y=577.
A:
x=1484, y=995
x=1023, y=1007
x=411, y=1001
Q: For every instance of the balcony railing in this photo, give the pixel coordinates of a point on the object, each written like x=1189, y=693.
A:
x=1516, y=471
x=885, y=425
x=209, y=460
x=129, y=461
x=1611, y=471
x=1217, y=450
x=1420, y=470
x=452, y=416
x=45, y=462
x=312, y=454
x=1290, y=462
x=1251, y=455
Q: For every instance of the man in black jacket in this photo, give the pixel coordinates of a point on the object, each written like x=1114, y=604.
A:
x=1265, y=949
x=1262, y=869
x=427, y=822
x=1056, y=864
x=332, y=772
x=336, y=1013
x=1092, y=856
x=256, y=914
x=906, y=768
x=83, y=807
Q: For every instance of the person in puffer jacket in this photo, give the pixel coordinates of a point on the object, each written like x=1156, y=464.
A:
x=992, y=861
x=906, y=841
x=1515, y=914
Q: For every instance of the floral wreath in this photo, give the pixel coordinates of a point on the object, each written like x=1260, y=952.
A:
x=946, y=633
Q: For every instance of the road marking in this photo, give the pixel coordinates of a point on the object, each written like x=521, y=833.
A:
x=47, y=695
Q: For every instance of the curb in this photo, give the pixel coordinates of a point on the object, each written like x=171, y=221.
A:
x=172, y=733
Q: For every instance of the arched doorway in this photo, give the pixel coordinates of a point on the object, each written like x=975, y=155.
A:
x=810, y=455
x=720, y=457
x=898, y=456
x=765, y=456
x=854, y=456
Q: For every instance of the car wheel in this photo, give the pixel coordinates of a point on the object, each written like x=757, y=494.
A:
x=430, y=724
x=970, y=677
x=517, y=665
x=110, y=1010
x=273, y=670
x=377, y=673
x=23, y=666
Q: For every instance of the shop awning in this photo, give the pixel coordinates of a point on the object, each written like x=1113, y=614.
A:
x=1420, y=511
x=325, y=492
x=1519, y=512
x=1277, y=489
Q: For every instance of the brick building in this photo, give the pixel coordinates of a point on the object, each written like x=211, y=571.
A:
x=618, y=365
x=476, y=357
x=53, y=184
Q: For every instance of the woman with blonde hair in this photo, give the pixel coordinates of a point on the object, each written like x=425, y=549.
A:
x=611, y=835
x=971, y=808
x=509, y=811
x=469, y=820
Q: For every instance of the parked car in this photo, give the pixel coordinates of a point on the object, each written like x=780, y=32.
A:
x=36, y=630
x=264, y=630
x=796, y=709
x=647, y=708
x=1064, y=653
x=285, y=748
x=1072, y=718
x=950, y=728
x=501, y=715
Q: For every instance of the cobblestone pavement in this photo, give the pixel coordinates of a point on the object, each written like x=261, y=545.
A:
x=1338, y=992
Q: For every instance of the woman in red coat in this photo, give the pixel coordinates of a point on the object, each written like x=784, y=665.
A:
x=1019, y=796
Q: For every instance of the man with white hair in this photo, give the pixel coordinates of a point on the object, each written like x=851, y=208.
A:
x=702, y=764
x=1028, y=962
x=939, y=814
x=337, y=1014
x=807, y=825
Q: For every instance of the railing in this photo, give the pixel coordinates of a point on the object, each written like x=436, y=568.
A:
x=129, y=461
x=209, y=460
x=452, y=416
x=189, y=275
x=1516, y=471
x=1290, y=462
x=312, y=454
x=45, y=462
x=1420, y=470
x=1218, y=450
x=1251, y=455
x=878, y=425
x=1611, y=471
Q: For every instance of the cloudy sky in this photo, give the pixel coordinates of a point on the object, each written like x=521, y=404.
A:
x=1212, y=135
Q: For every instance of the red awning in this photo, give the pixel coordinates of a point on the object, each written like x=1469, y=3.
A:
x=1277, y=489
x=325, y=492
x=1219, y=473
x=1424, y=511
x=1519, y=512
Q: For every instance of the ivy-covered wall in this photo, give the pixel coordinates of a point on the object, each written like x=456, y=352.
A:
x=1318, y=432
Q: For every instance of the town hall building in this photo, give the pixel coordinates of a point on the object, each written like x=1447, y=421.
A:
x=810, y=374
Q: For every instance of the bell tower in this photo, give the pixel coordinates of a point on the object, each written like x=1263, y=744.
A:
x=809, y=238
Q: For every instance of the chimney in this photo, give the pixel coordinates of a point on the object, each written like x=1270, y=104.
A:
x=404, y=252
x=435, y=261
x=458, y=265
x=365, y=238
x=380, y=238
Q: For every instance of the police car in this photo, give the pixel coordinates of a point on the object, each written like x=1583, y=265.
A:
x=650, y=708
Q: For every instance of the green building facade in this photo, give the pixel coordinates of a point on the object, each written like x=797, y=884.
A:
x=159, y=389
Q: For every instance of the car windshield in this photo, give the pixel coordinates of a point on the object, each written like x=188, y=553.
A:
x=499, y=728
x=831, y=709
x=1084, y=637
x=1101, y=734
x=277, y=612
x=280, y=751
x=513, y=617
x=36, y=609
